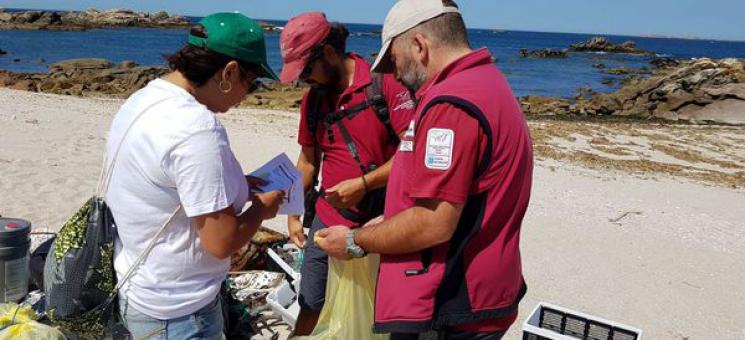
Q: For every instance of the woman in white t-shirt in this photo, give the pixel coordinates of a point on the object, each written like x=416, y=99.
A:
x=174, y=152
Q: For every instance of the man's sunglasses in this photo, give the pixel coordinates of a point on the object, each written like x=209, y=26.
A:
x=315, y=55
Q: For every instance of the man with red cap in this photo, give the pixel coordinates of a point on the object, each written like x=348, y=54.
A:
x=351, y=122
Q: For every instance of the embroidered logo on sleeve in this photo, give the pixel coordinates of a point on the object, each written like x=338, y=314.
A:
x=439, y=155
x=404, y=101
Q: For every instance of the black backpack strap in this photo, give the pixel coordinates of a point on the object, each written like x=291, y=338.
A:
x=376, y=100
x=351, y=146
x=332, y=118
x=313, y=110
x=313, y=114
x=473, y=111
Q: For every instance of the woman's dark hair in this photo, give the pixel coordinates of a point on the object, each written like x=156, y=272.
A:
x=199, y=64
x=337, y=38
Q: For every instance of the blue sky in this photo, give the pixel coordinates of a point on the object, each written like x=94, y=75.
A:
x=715, y=19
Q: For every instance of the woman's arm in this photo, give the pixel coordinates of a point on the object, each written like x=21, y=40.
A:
x=222, y=233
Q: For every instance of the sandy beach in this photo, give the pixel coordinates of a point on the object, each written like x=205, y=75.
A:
x=620, y=225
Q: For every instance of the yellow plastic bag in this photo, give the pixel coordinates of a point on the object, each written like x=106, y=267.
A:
x=19, y=323
x=350, y=297
x=12, y=313
x=31, y=330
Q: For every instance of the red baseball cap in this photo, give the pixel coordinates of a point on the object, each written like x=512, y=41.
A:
x=301, y=34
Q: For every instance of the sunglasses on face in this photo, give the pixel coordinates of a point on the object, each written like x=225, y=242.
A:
x=315, y=55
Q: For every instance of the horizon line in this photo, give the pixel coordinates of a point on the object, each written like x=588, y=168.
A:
x=645, y=36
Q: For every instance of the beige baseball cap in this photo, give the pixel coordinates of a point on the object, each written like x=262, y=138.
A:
x=405, y=15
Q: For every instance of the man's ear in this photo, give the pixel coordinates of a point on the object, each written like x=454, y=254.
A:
x=421, y=48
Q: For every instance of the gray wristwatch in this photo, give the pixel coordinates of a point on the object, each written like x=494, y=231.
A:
x=353, y=249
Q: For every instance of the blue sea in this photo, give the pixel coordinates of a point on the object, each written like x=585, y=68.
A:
x=553, y=77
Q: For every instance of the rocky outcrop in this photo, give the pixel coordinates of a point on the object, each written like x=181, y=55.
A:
x=102, y=78
x=85, y=77
x=619, y=71
x=600, y=44
x=97, y=76
x=697, y=91
x=18, y=81
x=664, y=62
x=545, y=106
x=75, y=21
x=276, y=95
x=543, y=53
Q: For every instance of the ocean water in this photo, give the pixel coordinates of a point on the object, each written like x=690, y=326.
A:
x=555, y=77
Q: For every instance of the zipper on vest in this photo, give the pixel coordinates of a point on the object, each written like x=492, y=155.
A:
x=426, y=256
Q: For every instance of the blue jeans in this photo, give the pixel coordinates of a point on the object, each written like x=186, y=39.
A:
x=205, y=324
x=314, y=272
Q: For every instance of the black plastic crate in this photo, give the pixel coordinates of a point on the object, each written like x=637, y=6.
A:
x=549, y=322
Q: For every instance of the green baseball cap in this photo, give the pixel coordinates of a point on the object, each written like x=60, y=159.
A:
x=236, y=36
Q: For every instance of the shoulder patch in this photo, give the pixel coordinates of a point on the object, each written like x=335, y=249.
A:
x=439, y=155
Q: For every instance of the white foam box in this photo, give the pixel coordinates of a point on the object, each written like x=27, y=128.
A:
x=551, y=322
x=283, y=300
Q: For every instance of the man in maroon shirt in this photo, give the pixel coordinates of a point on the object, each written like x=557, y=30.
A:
x=350, y=124
x=458, y=191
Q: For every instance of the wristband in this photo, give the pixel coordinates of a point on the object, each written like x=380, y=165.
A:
x=364, y=182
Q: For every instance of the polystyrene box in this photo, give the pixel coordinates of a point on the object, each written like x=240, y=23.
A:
x=283, y=301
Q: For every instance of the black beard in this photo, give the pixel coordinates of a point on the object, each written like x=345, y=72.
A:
x=334, y=77
x=333, y=73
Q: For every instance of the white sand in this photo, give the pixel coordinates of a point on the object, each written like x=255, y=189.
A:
x=674, y=266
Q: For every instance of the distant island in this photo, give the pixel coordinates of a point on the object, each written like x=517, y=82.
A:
x=92, y=19
x=661, y=36
x=88, y=19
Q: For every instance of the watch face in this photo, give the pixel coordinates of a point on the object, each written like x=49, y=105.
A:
x=354, y=250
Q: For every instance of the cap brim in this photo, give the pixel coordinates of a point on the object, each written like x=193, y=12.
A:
x=383, y=62
x=291, y=71
x=267, y=72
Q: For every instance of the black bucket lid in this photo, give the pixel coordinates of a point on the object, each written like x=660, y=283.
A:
x=13, y=230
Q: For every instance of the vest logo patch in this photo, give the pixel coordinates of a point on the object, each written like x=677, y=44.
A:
x=406, y=146
x=439, y=155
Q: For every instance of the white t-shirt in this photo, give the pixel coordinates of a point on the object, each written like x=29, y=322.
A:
x=176, y=153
